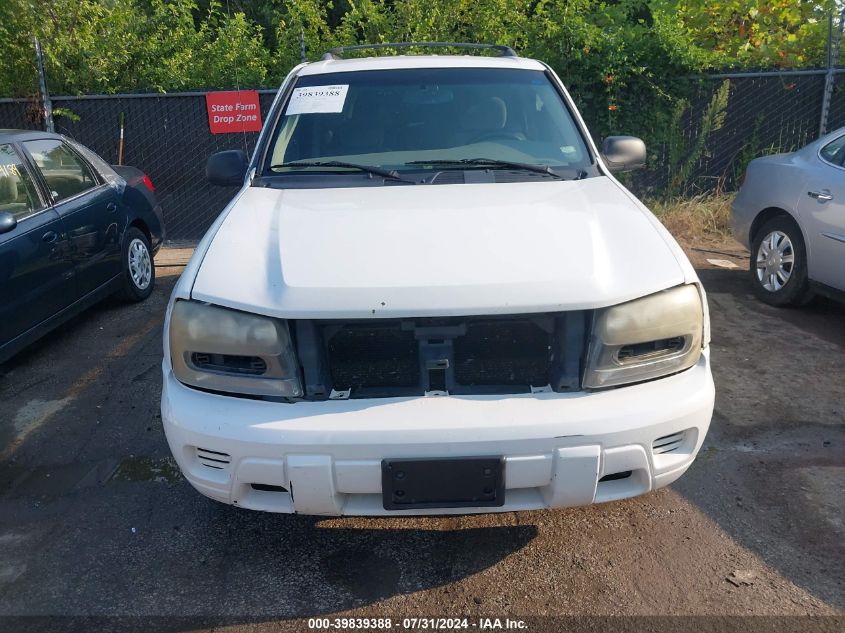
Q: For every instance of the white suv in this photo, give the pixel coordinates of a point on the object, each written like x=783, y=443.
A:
x=431, y=297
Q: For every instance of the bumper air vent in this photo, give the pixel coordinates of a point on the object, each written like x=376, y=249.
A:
x=213, y=459
x=667, y=443
x=229, y=364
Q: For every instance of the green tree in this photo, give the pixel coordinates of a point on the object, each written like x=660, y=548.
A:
x=233, y=52
x=765, y=33
x=108, y=46
x=306, y=18
x=88, y=45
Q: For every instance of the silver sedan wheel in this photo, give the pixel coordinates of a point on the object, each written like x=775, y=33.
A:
x=775, y=261
x=140, y=264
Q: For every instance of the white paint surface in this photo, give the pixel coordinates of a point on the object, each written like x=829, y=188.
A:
x=435, y=251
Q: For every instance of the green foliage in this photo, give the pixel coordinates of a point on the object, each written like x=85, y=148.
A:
x=109, y=46
x=620, y=59
x=675, y=141
x=617, y=56
x=683, y=159
x=67, y=113
x=232, y=52
x=86, y=43
x=750, y=150
x=783, y=33
x=300, y=18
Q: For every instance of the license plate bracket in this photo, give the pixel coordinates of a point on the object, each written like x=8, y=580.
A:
x=447, y=482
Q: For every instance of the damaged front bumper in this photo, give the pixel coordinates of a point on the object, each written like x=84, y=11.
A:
x=324, y=458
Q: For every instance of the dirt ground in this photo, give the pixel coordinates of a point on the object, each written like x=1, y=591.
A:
x=96, y=521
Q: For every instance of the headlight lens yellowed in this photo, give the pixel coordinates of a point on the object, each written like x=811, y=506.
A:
x=646, y=338
x=226, y=350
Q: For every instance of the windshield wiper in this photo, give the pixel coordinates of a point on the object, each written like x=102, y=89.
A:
x=370, y=169
x=576, y=174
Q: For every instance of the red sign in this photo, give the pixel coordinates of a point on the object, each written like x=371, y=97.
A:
x=236, y=111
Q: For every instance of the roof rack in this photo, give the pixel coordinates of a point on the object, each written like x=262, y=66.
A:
x=337, y=53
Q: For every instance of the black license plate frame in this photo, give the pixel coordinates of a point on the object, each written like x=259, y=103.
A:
x=443, y=482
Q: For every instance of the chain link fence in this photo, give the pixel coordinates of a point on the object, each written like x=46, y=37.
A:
x=724, y=122
x=166, y=136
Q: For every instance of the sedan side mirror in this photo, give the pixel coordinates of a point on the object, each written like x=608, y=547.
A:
x=623, y=153
x=7, y=222
x=227, y=168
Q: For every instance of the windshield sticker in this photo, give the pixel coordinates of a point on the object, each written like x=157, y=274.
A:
x=317, y=99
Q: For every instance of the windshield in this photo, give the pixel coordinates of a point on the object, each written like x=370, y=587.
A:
x=398, y=119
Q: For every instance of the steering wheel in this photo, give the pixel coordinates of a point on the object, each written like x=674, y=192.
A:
x=502, y=134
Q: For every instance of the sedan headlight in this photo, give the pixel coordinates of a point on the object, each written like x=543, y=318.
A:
x=646, y=338
x=227, y=350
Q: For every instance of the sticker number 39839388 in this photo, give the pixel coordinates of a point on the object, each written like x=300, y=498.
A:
x=317, y=99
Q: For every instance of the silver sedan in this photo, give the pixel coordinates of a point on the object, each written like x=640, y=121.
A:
x=790, y=213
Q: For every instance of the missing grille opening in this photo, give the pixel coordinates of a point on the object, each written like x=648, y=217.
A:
x=506, y=354
x=373, y=356
x=497, y=352
x=437, y=380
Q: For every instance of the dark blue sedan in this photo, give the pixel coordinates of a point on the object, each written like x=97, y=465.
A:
x=73, y=230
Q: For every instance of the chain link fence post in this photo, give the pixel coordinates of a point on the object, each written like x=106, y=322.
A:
x=46, y=104
x=832, y=58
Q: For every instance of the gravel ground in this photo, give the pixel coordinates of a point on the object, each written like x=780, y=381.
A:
x=95, y=520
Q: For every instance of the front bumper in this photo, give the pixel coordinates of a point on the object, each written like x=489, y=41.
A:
x=324, y=458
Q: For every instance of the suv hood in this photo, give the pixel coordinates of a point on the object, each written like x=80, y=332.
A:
x=435, y=250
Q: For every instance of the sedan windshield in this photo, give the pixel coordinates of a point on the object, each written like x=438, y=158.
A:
x=428, y=119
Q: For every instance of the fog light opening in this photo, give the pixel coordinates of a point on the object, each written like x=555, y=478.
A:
x=614, y=476
x=268, y=488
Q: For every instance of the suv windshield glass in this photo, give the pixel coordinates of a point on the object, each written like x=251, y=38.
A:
x=394, y=118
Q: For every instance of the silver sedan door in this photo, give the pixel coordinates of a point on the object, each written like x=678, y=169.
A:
x=822, y=212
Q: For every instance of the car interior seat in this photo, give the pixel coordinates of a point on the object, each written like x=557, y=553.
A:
x=488, y=116
x=9, y=196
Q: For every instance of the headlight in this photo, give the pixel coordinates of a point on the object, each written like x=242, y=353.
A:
x=226, y=350
x=646, y=338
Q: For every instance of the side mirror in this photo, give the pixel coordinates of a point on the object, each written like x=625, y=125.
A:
x=623, y=153
x=7, y=222
x=227, y=168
